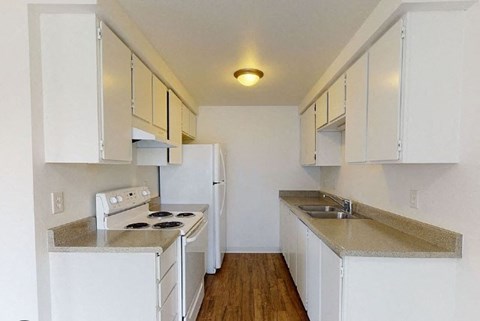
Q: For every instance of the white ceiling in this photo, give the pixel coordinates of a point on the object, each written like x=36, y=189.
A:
x=205, y=41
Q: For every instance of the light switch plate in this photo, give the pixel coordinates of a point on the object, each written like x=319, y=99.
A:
x=58, y=205
x=413, y=198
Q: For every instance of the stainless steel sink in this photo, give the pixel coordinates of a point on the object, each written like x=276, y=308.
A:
x=319, y=208
x=331, y=215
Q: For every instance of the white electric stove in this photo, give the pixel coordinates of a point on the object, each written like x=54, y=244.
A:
x=127, y=209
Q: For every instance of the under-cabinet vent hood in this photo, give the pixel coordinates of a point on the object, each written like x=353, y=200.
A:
x=145, y=139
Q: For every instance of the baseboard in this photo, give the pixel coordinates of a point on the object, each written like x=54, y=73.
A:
x=253, y=250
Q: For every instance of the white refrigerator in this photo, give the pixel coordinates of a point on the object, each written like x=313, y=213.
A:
x=201, y=179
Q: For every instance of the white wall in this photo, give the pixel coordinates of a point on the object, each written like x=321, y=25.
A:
x=262, y=145
x=448, y=194
x=26, y=182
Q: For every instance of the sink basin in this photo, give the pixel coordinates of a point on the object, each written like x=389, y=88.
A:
x=331, y=215
x=320, y=208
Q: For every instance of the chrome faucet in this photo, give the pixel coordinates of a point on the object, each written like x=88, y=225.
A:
x=346, y=204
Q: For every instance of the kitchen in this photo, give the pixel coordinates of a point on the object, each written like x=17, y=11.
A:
x=27, y=181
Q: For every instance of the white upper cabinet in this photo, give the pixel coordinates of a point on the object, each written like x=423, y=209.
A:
x=322, y=110
x=142, y=90
x=336, y=99
x=149, y=101
x=307, y=130
x=384, y=96
x=175, y=128
x=356, y=118
x=86, y=85
x=189, y=123
x=414, y=87
x=160, y=101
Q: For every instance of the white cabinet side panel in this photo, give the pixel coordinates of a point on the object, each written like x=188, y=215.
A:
x=307, y=147
x=432, y=90
x=70, y=87
x=103, y=286
x=398, y=289
x=356, y=128
x=385, y=66
x=116, y=93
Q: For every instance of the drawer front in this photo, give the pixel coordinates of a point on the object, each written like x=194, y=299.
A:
x=167, y=284
x=169, y=311
x=167, y=259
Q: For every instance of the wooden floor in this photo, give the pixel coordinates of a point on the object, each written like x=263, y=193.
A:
x=252, y=287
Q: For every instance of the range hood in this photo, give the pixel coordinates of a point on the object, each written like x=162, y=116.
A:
x=145, y=139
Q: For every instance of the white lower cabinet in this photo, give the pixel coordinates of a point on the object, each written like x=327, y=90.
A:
x=330, y=285
x=110, y=286
x=313, y=276
x=292, y=245
x=283, y=233
x=302, y=261
x=365, y=288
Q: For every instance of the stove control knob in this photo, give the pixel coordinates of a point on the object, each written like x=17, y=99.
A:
x=145, y=193
x=113, y=200
x=119, y=199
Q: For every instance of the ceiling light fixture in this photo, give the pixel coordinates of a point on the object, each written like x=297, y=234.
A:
x=248, y=76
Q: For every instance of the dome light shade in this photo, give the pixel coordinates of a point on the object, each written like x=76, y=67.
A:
x=247, y=76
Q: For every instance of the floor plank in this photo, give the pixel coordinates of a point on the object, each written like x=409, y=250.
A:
x=251, y=287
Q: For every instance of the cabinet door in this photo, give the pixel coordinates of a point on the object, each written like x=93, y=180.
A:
x=185, y=120
x=336, y=99
x=193, y=125
x=159, y=105
x=116, y=91
x=331, y=285
x=322, y=110
x=356, y=103
x=175, y=128
x=142, y=90
x=302, y=235
x=283, y=229
x=385, y=66
x=307, y=129
x=313, y=276
x=292, y=245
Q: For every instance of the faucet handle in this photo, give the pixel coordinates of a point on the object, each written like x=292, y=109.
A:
x=347, y=206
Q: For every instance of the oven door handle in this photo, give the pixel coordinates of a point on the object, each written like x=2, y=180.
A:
x=196, y=233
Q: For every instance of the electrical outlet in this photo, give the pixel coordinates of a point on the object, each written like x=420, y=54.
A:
x=57, y=202
x=413, y=198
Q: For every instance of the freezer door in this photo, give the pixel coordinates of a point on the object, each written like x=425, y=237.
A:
x=220, y=222
x=218, y=164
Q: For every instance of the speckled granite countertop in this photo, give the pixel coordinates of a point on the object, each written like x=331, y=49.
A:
x=383, y=235
x=83, y=236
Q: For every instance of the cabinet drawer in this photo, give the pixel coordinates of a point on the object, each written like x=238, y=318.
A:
x=169, y=311
x=167, y=284
x=167, y=259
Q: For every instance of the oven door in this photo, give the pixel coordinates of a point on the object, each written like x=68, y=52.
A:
x=194, y=251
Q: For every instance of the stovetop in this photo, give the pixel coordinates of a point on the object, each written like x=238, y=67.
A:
x=128, y=209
